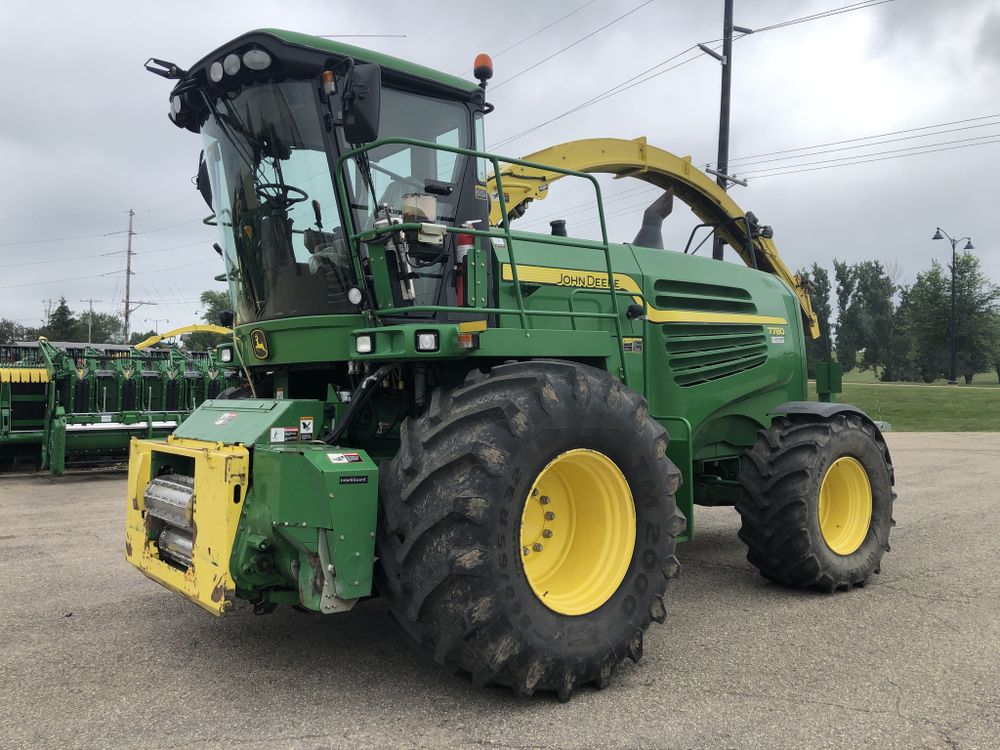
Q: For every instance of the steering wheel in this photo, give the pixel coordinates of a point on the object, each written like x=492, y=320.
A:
x=281, y=195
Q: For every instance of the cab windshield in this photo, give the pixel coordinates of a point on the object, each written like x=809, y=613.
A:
x=398, y=170
x=275, y=203
x=379, y=183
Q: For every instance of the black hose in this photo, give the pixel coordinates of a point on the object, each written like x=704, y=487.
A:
x=362, y=393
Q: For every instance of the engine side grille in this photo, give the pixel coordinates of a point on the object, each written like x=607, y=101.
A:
x=701, y=353
x=673, y=294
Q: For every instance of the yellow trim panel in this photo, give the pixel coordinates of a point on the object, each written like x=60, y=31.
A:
x=573, y=277
x=24, y=375
x=221, y=474
x=472, y=326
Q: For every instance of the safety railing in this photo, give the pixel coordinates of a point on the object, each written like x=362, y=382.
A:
x=503, y=231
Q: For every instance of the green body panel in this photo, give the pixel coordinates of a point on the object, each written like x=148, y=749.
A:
x=366, y=55
x=302, y=499
x=253, y=421
x=316, y=338
x=304, y=495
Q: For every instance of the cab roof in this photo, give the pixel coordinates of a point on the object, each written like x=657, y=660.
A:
x=365, y=55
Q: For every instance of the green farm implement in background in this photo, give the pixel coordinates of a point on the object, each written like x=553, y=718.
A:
x=501, y=433
x=70, y=404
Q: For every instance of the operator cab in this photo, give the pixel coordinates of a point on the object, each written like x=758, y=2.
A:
x=277, y=112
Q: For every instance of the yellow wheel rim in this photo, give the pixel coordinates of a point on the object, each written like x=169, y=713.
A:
x=577, y=532
x=845, y=505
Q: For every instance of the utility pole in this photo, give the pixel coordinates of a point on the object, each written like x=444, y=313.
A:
x=727, y=81
x=130, y=306
x=90, y=319
x=128, y=274
x=721, y=170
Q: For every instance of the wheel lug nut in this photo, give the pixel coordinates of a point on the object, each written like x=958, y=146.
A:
x=544, y=500
x=547, y=533
x=525, y=550
x=550, y=516
x=537, y=547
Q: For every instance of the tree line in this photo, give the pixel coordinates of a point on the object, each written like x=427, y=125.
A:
x=62, y=324
x=902, y=332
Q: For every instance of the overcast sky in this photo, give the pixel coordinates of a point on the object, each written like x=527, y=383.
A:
x=84, y=134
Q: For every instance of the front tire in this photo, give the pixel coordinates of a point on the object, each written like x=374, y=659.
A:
x=493, y=584
x=817, y=507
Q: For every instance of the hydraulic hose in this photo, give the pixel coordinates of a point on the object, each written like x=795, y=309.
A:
x=362, y=393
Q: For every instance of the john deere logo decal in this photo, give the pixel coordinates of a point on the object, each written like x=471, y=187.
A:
x=259, y=343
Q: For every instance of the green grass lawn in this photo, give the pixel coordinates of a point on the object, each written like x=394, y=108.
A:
x=983, y=379
x=930, y=408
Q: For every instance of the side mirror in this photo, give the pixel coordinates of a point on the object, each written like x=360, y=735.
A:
x=202, y=182
x=362, y=102
x=226, y=318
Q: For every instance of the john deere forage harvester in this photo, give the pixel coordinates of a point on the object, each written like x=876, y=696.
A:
x=501, y=433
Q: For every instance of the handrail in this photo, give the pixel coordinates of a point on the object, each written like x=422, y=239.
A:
x=502, y=231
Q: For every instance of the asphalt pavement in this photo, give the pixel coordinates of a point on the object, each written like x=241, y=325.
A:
x=94, y=655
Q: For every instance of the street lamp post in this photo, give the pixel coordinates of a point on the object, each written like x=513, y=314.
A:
x=940, y=234
x=156, y=323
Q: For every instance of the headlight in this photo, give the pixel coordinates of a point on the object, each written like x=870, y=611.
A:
x=226, y=355
x=256, y=59
x=365, y=344
x=175, y=104
x=215, y=72
x=231, y=64
x=427, y=341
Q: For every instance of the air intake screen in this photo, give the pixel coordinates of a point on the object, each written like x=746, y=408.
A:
x=701, y=353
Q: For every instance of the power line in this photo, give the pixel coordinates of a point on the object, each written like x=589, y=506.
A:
x=159, y=276
x=607, y=94
x=61, y=216
x=882, y=158
x=184, y=265
x=59, y=281
x=874, y=153
x=866, y=145
x=58, y=239
x=578, y=208
x=61, y=260
x=172, y=247
x=534, y=34
x=824, y=14
x=172, y=226
x=876, y=135
x=628, y=84
x=570, y=46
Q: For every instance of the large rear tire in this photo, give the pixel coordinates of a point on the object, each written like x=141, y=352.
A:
x=528, y=526
x=817, y=510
